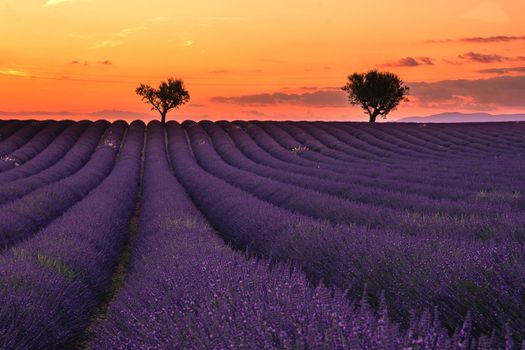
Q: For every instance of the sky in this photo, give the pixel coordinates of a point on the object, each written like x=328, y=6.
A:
x=270, y=59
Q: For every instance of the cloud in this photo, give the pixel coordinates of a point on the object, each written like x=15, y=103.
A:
x=411, y=62
x=34, y=113
x=488, y=58
x=492, y=39
x=116, y=39
x=106, y=44
x=254, y=113
x=118, y=114
x=453, y=62
x=404, y=62
x=78, y=62
x=505, y=70
x=129, y=31
x=106, y=114
x=426, y=60
x=321, y=98
x=481, y=40
x=482, y=94
x=309, y=88
x=56, y=2
x=483, y=58
x=14, y=72
x=106, y=62
x=187, y=43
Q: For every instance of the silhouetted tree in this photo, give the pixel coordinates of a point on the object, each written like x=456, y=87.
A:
x=169, y=95
x=378, y=93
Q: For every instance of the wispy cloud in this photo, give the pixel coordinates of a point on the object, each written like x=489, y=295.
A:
x=118, y=114
x=483, y=94
x=187, y=43
x=14, y=72
x=86, y=63
x=254, y=113
x=488, y=58
x=505, y=70
x=480, y=39
x=113, y=40
x=483, y=58
x=111, y=114
x=492, y=39
x=128, y=31
x=34, y=113
x=56, y=2
x=411, y=62
x=106, y=44
x=321, y=98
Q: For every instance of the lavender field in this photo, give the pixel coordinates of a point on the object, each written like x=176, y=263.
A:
x=262, y=235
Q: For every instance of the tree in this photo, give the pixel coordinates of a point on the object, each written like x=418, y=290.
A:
x=378, y=93
x=169, y=95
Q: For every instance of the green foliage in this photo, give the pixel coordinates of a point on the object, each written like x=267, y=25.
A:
x=169, y=95
x=60, y=267
x=378, y=93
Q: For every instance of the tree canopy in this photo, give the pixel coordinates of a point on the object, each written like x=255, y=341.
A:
x=169, y=95
x=378, y=93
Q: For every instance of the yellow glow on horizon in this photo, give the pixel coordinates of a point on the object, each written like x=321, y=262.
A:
x=55, y=2
x=14, y=72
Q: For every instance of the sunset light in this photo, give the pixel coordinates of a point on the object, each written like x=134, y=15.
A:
x=248, y=174
x=259, y=59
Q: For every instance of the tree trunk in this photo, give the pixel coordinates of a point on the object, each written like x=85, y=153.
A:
x=163, y=118
x=372, y=118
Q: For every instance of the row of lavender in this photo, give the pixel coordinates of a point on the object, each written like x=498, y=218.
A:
x=481, y=195
x=420, y=169
x=35, y=201
x=53, y=282
x=416, y=272
x=350, y=203
x=434, y=184
x=299, y=240
x=186, y=289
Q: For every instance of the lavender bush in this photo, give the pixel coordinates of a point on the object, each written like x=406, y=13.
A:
x=257, y=234
x=52, y=283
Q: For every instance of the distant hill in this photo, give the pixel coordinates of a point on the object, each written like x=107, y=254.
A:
x=454, y=117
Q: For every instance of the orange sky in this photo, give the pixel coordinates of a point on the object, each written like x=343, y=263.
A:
x=269, y=59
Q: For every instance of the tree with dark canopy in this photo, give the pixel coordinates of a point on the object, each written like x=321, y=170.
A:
x=378, y=93
x=169, y=95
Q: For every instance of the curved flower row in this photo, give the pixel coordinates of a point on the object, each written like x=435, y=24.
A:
x=51, y=284
x=23, y=217
x=49, y=156
x=34, y=146
x=415, y=272
x=20, y=137
x=186, y=289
